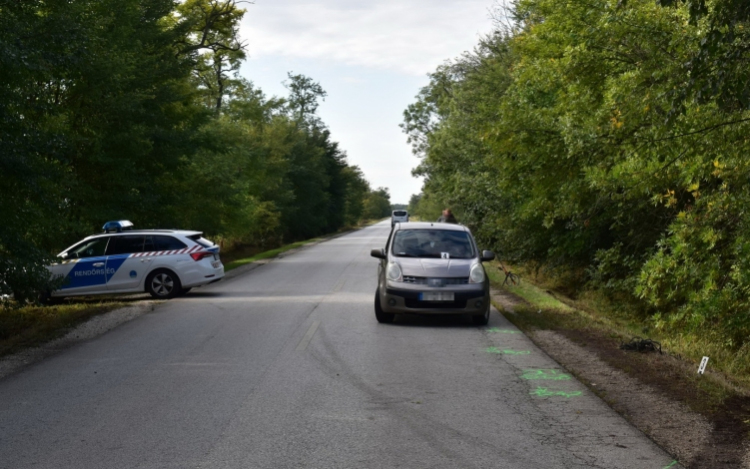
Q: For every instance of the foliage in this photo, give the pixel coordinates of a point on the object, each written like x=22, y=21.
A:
x=377, y=204
x=578, y=141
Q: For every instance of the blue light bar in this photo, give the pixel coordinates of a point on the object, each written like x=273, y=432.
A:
x=117, y=226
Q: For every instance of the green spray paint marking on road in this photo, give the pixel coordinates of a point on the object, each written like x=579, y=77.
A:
x=673, y=463
x=552, y=375
x=502, y=331
x=544, y=392
x=508, y=351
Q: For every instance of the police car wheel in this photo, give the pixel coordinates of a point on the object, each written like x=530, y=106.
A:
x=163, y=284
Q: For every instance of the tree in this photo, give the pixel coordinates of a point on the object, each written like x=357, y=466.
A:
x=377, y=204
x=211, y=40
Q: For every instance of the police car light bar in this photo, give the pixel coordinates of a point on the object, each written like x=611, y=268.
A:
x=117, y=226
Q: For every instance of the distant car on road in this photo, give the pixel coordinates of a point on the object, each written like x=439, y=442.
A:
x=164, y=263
x=399, y=216
x=432, y=268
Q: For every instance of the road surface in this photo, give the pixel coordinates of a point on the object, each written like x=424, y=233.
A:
x=286, y=367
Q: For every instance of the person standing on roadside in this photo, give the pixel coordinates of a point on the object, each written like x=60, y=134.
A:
x=447, y=217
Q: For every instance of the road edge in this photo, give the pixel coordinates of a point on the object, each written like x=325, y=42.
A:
x=90, y=329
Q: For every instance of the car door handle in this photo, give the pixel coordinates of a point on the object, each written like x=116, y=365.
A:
x=98, y=264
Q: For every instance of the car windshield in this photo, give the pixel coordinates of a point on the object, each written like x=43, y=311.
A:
x=447, y=244
x=399, y=214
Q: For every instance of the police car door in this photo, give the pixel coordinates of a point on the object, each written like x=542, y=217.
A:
x=125, y=272
x=83, y=268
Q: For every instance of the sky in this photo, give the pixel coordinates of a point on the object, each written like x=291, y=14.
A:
x=372, y=58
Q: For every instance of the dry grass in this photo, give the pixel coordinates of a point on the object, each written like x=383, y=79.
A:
x=30, y=326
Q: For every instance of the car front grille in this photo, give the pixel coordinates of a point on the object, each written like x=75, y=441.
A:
x=410, y=303
x=443, y=281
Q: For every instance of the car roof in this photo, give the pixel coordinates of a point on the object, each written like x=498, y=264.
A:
x=423, y=225
x=141, y=232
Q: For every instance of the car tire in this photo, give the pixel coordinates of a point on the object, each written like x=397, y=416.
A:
x=482, y=319
x=163, y=284
x=380, y=315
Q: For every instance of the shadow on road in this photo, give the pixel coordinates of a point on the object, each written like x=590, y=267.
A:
x=439, y=321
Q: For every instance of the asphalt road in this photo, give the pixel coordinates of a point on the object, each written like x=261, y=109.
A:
x=286, y=367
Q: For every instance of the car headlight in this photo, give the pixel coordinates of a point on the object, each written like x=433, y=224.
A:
x=477, y=274
x=394, y=272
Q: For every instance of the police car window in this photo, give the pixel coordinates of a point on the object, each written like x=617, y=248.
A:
x=93, y=248
x=163, y=243
x=201, y=240
x=125, y=245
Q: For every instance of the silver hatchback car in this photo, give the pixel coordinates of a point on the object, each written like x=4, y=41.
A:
x=432, y=268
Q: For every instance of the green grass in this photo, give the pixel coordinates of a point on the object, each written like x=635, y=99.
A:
x=528, y=291
x=33, y=325
x=267, y=254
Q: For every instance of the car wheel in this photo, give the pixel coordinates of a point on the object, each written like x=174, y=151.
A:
x=482, y=319
x=380, y=315
x=163, y=284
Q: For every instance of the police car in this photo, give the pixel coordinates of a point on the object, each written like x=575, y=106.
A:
x=164, y=263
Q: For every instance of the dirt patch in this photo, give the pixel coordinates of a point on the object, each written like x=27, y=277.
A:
x=660, y=394
x=507, y=301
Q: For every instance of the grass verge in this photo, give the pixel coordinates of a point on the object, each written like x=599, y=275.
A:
x=34, y=325
x=600, y=328
x=267, y=254
x=593, y=312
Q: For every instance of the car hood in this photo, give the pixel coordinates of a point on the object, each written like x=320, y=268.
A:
x=413, y=267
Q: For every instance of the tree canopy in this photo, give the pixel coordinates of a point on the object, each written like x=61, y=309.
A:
x=607, y=140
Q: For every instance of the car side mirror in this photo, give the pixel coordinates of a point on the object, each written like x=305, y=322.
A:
x=378, y=253
x=488, y=256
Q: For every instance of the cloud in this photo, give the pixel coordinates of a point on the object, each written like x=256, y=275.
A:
x=406, y=36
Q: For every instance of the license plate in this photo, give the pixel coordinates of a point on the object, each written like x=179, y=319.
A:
x=436, y=296
x=216, y=264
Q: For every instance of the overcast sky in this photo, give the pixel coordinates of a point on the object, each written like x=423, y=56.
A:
x=372, y=57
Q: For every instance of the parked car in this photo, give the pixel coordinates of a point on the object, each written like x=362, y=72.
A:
x=432, y=268
x=399, y=216
x=164, y=263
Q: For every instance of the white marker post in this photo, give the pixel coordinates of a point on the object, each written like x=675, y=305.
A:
x=702, y=368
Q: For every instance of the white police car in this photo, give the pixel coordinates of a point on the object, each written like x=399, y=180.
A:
x=165, y=263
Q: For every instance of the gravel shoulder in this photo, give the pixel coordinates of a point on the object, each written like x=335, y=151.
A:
x=650, y=391
x=90, y=329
